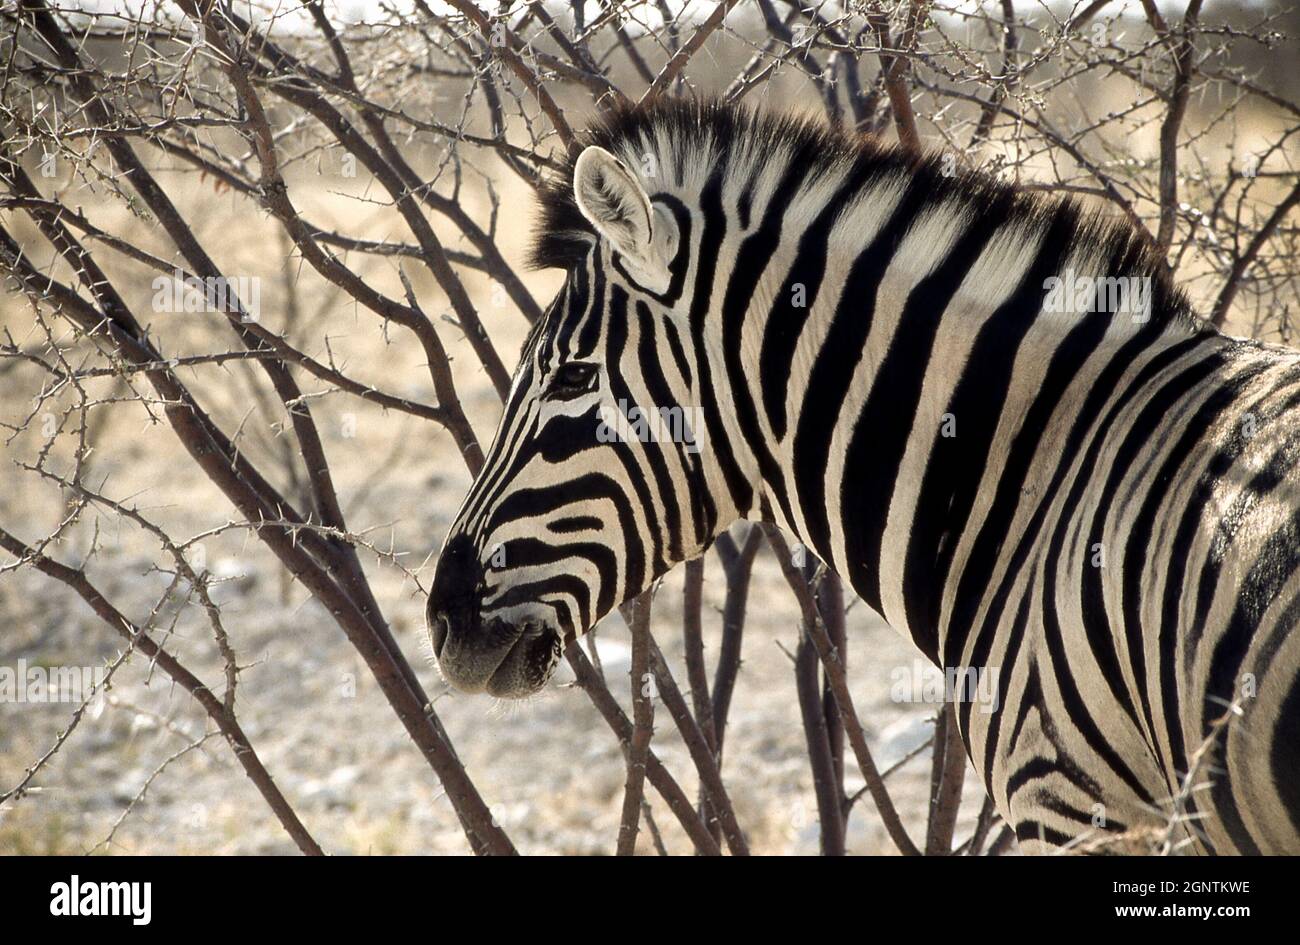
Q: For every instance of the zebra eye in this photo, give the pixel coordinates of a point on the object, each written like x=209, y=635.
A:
x=575, y=377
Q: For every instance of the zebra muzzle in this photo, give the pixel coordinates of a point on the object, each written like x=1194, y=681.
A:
x=496, y=657
x=506, y=658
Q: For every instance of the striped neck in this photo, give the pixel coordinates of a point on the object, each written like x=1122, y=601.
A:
x=868, y=329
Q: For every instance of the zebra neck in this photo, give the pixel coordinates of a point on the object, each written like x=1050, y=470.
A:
x=903, y=380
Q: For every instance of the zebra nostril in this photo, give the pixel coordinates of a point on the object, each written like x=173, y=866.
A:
x=455, y=594
x=438, y=632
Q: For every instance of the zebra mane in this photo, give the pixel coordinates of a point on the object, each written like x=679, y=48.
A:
x=688, y=138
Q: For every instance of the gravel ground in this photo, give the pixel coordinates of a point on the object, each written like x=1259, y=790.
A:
x=549, y=766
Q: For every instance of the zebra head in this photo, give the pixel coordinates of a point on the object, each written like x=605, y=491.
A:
x=599, y=478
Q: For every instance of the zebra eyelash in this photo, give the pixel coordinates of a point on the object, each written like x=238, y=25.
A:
x=572, y=379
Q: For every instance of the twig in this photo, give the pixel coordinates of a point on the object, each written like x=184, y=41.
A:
x=643, y=720
x=1244, y=260
x=660, y=779
x=677, y=62
x=834, y=672
x=216, y=710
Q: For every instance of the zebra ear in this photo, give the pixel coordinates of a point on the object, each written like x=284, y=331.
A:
x=615, y=203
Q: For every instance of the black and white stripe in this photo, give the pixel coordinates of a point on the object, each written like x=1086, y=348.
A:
x=1104, y=508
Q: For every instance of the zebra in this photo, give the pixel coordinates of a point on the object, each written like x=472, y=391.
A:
x=991, y=411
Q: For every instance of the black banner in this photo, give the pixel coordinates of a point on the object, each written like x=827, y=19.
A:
x=142, y=895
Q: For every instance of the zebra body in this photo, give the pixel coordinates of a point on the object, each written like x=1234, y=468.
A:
x=1101, y=507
